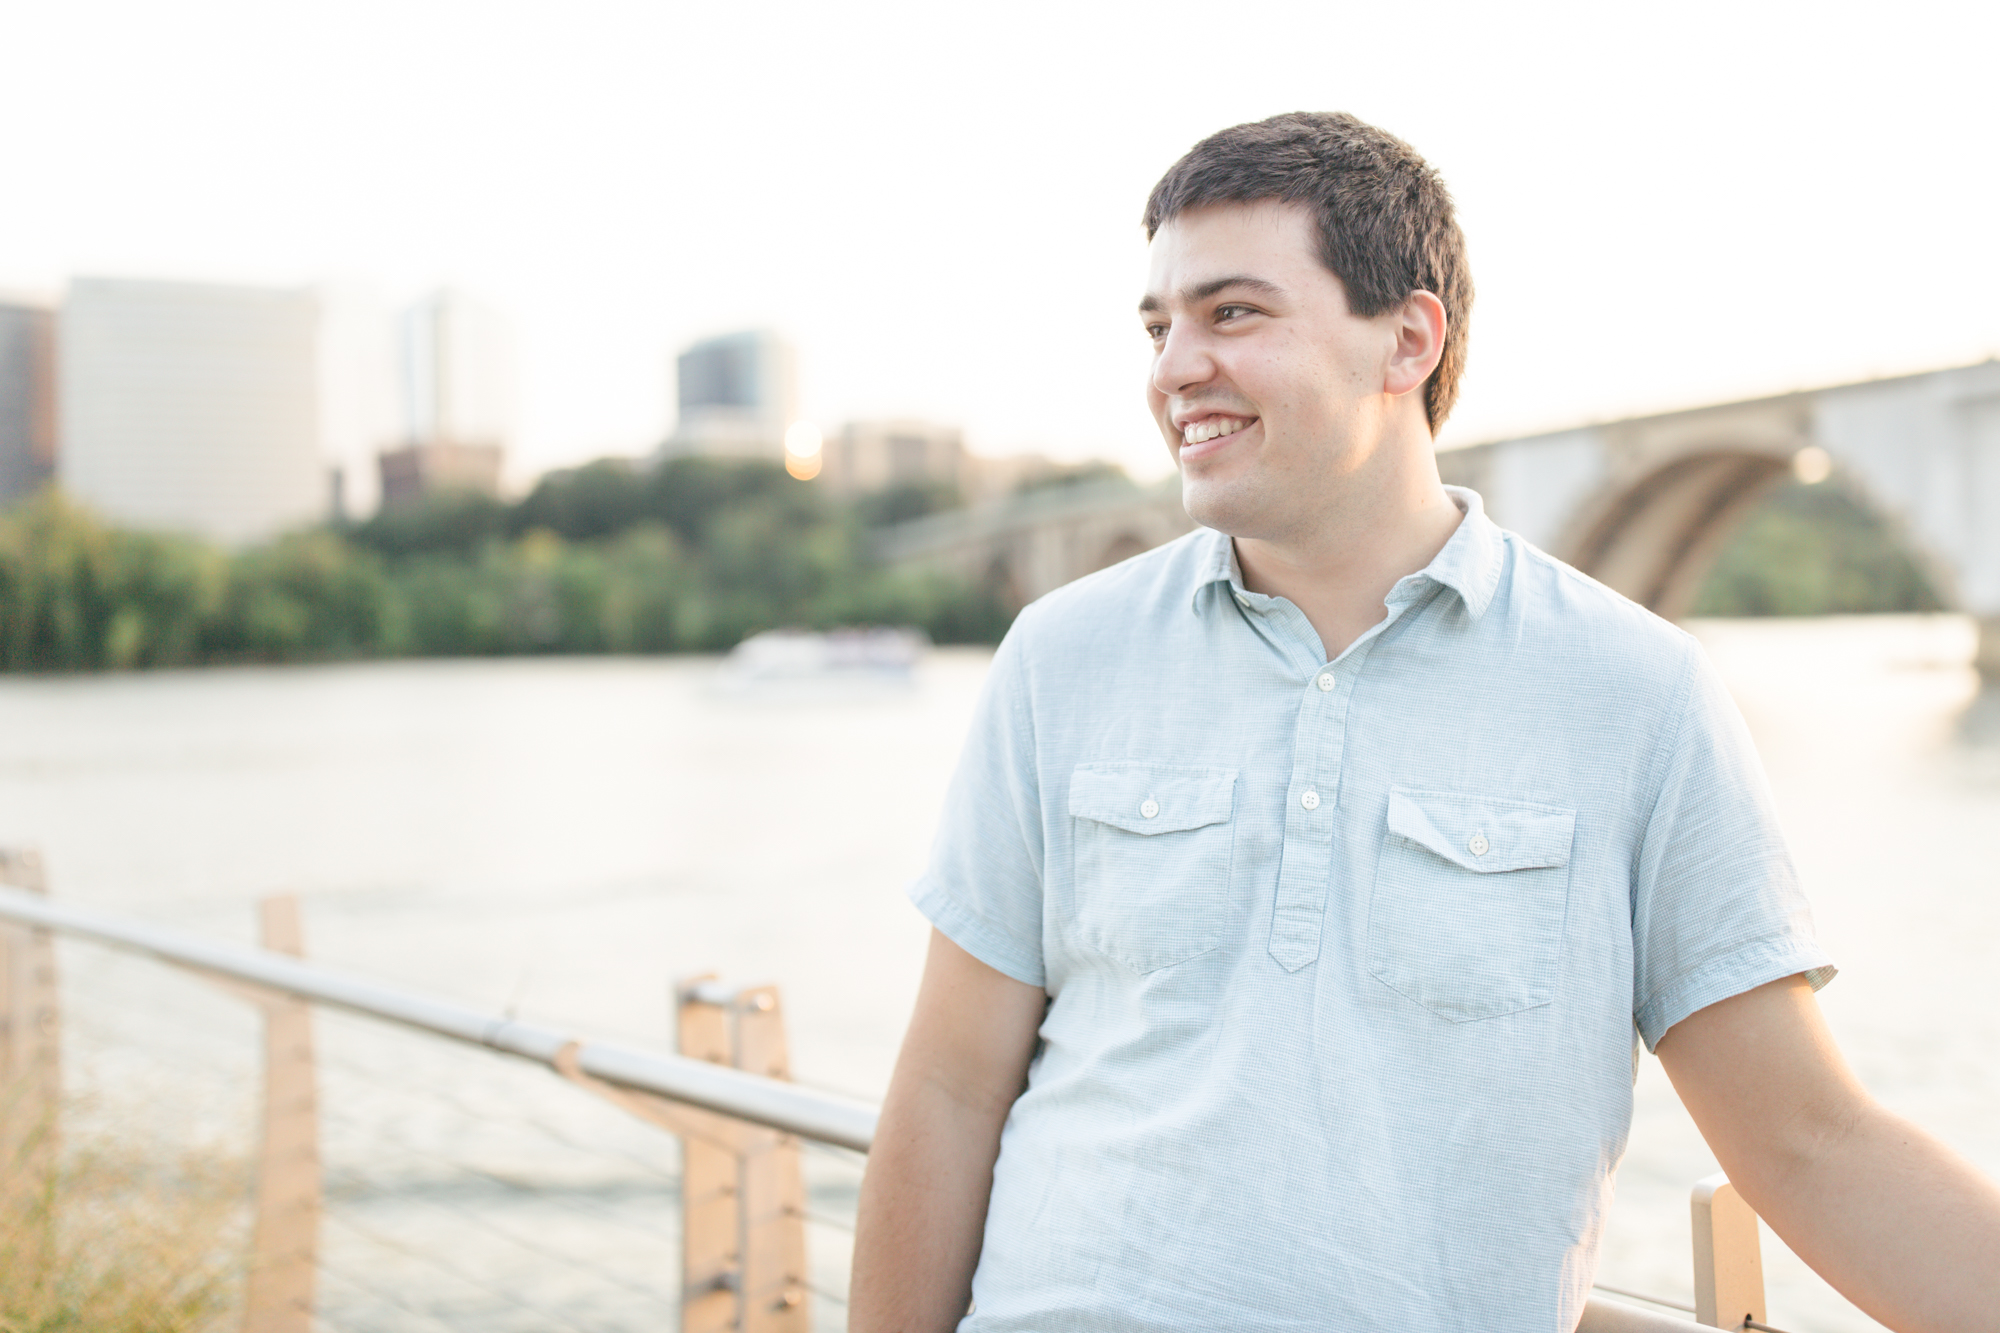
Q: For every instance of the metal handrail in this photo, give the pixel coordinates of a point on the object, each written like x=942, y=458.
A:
x=806, y=1112
x=1601, y=1316
x=811, y=1114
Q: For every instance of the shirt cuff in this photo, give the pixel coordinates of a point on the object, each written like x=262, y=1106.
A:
x=1745, y=970
x=977, y=936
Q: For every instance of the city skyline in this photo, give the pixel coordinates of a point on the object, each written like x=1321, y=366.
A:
x=940, y=211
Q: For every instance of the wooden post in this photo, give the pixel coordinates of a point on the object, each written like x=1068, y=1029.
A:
x=285, y=1246
x=1728, y=1265
x=30, y=1077
x=743, y=1239
x=743, y=1202
x=773, y=1188
x=711, y=1198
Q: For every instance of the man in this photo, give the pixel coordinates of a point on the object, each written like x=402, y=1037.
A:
x=1307, y=883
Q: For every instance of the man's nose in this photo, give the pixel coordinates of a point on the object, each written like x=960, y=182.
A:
x=1183, y=362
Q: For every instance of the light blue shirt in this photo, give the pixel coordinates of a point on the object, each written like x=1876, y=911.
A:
x=1345, y=959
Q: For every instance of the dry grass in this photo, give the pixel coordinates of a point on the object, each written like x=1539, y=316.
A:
x=118, y=1241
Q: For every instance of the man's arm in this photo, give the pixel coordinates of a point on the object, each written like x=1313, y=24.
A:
x=1892, y=1218
x=923, y=1200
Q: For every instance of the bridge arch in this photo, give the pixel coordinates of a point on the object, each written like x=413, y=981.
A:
x=1647, y=503
x=1656, y=538
x=1025, y=546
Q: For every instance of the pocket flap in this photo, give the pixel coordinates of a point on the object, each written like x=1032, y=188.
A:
x=1152, y=798
x=1481, y=833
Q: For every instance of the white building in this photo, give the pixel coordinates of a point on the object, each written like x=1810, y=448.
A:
x=458, y=399
x=737, y=395
x=231, y=412
x=458, y=372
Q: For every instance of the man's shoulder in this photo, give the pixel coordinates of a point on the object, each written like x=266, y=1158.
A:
x=1572, y=619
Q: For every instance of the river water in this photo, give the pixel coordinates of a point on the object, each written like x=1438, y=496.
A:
x=561, y=838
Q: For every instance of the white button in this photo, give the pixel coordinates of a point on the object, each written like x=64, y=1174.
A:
x=1309, y=799
x=1150, y=808
x=1243, y=602
x=1478, y=846
x=1326, y=680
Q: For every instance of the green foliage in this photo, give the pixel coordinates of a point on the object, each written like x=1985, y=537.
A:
x=459, y=522
x=584, y=503
x=75, y=594
x=691, y=556
x=1812, y=551
x=900, y=504
x=308, y=595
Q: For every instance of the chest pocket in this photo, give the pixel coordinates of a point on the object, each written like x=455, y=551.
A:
x=1470, y=898
x=1151, y=866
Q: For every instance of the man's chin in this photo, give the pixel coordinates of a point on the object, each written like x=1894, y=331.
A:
x=1217, y=505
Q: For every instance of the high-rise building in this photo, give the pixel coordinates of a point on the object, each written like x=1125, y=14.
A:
x=877, y=455
x=458, y=381
x=194, y=407
x=27, y=399
x=737, y=395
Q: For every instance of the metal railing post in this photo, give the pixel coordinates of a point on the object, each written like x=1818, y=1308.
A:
x=1728, y=1264
x=284, y=1256
x=30, y=1077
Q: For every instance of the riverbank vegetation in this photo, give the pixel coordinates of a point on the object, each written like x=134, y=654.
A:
x=125, y=1243
x=690, y=556
x=1814, y=550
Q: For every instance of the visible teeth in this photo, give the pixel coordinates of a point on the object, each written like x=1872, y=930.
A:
x=1198, y=431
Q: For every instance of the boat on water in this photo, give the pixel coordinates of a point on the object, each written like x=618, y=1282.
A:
x=875, y=657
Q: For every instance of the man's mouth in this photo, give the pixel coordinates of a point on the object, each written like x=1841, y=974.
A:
x=1200, y=432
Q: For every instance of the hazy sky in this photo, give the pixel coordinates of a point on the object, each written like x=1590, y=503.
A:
x=1666, y=204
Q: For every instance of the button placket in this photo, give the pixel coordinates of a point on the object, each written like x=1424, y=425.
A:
x=1306, y=871
x=1319, y=741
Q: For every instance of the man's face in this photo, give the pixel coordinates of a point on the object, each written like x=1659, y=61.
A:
x=1268, y=391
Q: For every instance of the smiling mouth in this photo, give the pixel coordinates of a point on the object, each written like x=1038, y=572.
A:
x=1214, y=428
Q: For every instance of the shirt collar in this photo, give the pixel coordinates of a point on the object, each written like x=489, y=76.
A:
x=1468, y=564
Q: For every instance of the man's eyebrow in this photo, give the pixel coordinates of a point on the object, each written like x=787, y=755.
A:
x=1201, y=291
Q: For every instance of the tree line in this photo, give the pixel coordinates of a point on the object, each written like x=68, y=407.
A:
x=689, y=556
x=1814, y=550
x=692, y=555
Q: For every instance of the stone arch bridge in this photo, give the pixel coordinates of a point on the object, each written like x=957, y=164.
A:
x=1643, y=504
x=1033, y=543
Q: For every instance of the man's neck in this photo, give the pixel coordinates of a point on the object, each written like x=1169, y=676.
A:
x=1339, y=571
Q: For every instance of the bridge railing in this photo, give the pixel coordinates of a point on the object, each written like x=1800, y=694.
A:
x=726, y=1095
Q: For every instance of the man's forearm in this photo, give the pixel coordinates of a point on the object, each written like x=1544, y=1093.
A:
x=1887, y=1214
x=1894, y=1220
x=923, y=1201
x=923, y=1211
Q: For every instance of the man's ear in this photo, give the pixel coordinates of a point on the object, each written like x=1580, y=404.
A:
x=1419, y=329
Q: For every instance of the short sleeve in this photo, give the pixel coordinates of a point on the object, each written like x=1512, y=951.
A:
x=1717, y=908
x=983, y=886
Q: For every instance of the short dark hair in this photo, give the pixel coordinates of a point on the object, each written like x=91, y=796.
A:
x=1386, y=225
